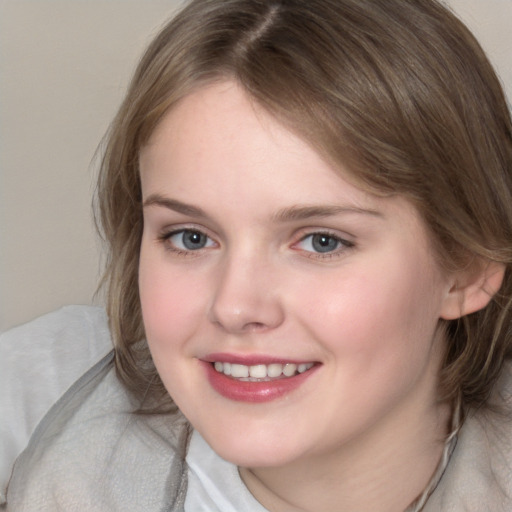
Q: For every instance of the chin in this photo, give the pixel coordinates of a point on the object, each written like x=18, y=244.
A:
x=252, y=451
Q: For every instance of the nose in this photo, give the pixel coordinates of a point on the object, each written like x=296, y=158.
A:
x=246, y=297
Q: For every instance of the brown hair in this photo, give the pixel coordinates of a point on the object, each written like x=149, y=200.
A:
x=397, y=89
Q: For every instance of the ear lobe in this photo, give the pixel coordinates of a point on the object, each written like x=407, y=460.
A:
x=472, y=290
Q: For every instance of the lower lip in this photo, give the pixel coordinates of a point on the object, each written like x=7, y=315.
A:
x=255, y=392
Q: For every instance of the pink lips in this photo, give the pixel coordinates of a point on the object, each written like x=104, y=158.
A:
x=252, y=391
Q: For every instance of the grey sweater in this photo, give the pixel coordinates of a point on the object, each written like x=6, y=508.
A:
x=92, y=453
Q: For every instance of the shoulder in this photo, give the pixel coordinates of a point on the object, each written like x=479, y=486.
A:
x=39, y=360
x=92, y=452
x=479, y=474
x=54, y=349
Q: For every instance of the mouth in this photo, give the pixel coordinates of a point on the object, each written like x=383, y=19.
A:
x=261, y=372
x=259, y=381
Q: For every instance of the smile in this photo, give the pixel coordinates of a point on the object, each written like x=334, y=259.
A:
x=261, y=381
x=261, y=372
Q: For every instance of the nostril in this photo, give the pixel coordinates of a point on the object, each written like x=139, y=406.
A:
x=255, y=326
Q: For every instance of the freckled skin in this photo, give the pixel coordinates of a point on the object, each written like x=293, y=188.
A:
x=367, y=311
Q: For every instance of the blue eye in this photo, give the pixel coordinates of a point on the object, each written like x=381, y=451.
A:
x=189, y=240
x=322, y=243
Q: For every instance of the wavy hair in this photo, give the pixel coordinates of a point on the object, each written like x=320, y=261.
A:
x=398, y=91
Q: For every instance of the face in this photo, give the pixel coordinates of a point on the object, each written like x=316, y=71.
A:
x=289, y=313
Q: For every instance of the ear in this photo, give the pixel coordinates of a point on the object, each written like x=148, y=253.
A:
x=472, y=289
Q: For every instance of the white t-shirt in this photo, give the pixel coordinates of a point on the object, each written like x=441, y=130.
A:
x=214, y=485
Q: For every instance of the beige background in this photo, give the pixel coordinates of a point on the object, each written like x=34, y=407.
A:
x=64, y=66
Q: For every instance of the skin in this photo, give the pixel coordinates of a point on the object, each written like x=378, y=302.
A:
x=366, y=312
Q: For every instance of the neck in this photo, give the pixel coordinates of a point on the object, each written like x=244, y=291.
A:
x=385, y=469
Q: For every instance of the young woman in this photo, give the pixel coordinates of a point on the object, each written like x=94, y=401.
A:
x=309, y=212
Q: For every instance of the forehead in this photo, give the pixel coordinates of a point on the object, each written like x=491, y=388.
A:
x=207, y=104
x=220, y=131
x=218, y=144
x=215, y=116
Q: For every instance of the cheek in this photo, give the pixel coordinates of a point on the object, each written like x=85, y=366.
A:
x=377, y=317
x=171, y=302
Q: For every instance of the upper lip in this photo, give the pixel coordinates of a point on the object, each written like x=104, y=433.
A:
x=251, y=359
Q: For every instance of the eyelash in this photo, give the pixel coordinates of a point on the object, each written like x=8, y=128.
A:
x=342, y=245
x=165, y=238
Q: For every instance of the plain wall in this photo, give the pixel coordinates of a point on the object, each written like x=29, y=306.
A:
x=64, y=66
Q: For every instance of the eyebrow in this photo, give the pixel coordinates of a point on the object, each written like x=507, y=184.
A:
x=295, y=213
x=289, y=214
x=175, y=205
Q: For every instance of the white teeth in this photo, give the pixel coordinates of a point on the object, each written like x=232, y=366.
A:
x=258, y=371
x=239, y=370
x=261, y=371
x=289, y=369
x=274, y=370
